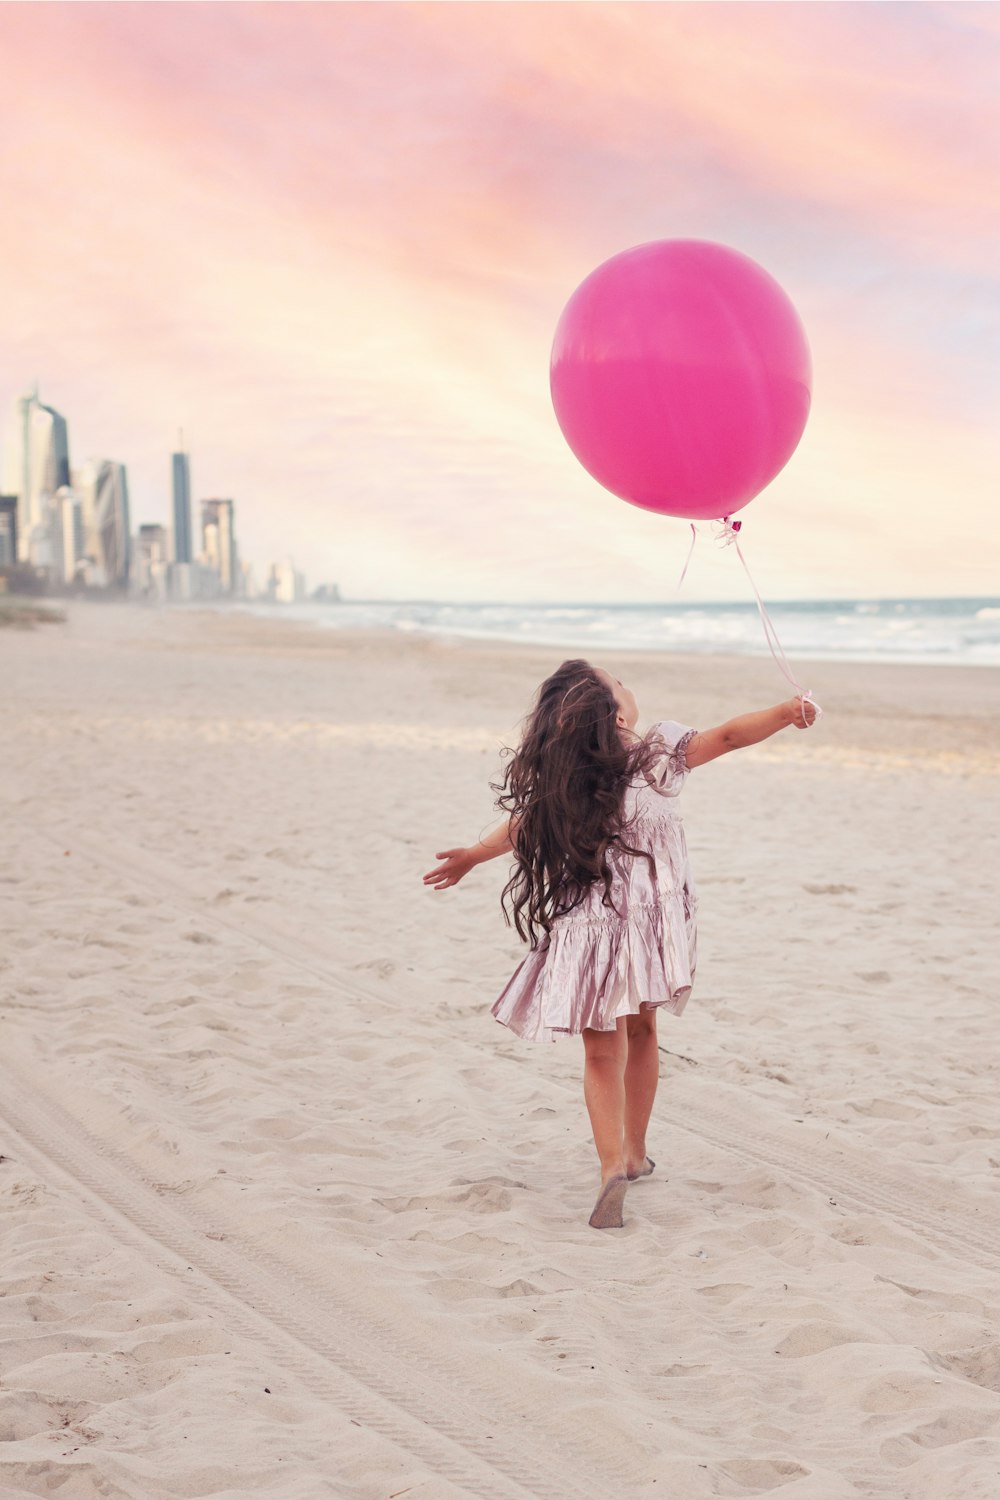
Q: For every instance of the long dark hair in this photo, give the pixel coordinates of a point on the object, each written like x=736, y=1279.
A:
x=564, y=786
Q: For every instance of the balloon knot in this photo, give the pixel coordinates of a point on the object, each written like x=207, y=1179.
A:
x=729, y=531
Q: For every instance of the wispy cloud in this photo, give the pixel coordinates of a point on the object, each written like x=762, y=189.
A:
x=332, y=241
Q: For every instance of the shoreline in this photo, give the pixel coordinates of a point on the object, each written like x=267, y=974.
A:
x=751, y=650
x=900, y=713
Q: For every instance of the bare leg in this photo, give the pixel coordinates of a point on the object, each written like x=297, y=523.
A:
x=605, y=1054
x=642, y=1072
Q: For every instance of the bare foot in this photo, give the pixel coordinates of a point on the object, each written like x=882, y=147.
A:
x=641, y=1170
x=607, y=1212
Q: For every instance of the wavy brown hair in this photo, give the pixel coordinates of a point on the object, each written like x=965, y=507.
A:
x=565, y=787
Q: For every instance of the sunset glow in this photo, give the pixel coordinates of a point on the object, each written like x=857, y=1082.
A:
x=331, y=242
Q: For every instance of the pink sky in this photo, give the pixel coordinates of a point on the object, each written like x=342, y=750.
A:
x=331, y=242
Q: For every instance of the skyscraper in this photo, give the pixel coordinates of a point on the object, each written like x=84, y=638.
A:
x=70, y=534
x=218, y=540
x=36, y=464
x=149, y=574
x=181, y=466
x=285, y=584
x=102, y=486
x=8, y=530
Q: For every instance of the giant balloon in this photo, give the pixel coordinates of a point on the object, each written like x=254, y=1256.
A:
x=681, y=377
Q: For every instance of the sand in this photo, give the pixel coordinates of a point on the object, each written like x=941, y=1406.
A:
x=286, y=1213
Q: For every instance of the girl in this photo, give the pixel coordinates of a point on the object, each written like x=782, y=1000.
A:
x=602, y=891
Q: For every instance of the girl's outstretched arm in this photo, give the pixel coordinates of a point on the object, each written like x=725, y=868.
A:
x=749, y=729
x=458, y=862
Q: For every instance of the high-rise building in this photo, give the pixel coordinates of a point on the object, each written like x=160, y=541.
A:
x=285, y=584
x=36, y=464
x=68, y=522
x=102, y=486
x=8, y=530
x=181, y=476
x=153, y=542
x=218, y=542
x=150, y=573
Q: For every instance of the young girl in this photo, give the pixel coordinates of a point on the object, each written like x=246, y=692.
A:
x=602, y=890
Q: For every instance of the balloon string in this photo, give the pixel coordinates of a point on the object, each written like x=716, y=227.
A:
x=694, y=538
x=730, y=535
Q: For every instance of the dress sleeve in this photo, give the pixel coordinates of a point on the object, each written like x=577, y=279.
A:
x=672, y=772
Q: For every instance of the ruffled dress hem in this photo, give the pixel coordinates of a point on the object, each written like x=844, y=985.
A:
x=588, y=973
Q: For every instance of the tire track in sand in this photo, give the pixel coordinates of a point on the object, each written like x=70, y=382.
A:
x=335, y=1338
x=336, y=1345
x=364, y=1367
x=740, y=1128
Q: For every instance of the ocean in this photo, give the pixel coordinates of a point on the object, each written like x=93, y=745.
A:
x=949, y=632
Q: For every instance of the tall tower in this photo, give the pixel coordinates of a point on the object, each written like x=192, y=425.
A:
x=8, y=530
x=102, y=485
x=70, y=537
x=36, y=464
x=181, y=474
x=218, y=541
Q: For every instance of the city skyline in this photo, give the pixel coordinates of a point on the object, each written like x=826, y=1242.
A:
x=344, y=281
x=68, y=525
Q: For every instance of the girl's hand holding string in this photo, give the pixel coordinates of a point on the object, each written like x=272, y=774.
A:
x=803, y=712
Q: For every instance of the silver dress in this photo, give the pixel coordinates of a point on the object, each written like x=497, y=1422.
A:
x=599, y=962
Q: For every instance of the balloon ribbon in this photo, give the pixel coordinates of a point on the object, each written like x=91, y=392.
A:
x=729, y=536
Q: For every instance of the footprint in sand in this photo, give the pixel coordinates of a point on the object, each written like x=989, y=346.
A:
x=32, y=1417
x=723, y=1292
x=980, y=1364
x=491, y=1196
x=871, y=1230
x=815, y=1338
x=955, y=1426
x=898, y=1392
x=761, y=1190
x=950, y=1301
x=451, y=1289
x=763, y=1473
x=885, y=1109
x=44, y=1309
x=383, y=967
x=278, y=1127
x=475, y=1244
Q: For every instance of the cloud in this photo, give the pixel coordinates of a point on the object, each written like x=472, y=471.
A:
x=331, y=242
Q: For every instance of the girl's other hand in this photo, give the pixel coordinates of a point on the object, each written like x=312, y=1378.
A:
x=803, y=712
x=457, y=862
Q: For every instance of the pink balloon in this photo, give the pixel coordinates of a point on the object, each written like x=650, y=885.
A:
x=681, y=377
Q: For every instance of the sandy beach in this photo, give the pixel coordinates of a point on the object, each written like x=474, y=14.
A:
x=286, y=1213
